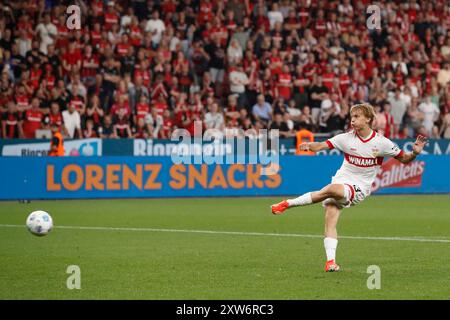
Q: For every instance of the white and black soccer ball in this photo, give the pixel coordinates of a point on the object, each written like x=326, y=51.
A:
x=39, y=223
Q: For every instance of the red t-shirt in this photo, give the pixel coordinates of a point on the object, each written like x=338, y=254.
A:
x=327, y=80
x=145, y=74
x=55, y=118
x=115, y=109
x=122, y=49
x=220, y=32
x=310, y=69
x=344, y=83
x=142, y=109
x=205, y=12
x=89, y=71
x=167, y=126
x=35, y=76
x=22, y=101
x=72, y=58
x=110, y=19
x=63, y=33
x=32, y=122
x=303, y=16
x=283, y=91
x=320, y=28
x=50, y=82
x=135, y=35
x=160, y=106
x=370, y=65
x=95, y=37
x=276, y=70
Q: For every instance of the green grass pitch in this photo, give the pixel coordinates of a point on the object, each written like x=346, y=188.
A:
x=241, y=258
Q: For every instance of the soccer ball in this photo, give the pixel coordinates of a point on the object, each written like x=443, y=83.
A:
x=39, y=223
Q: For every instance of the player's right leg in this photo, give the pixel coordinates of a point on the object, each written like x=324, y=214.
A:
x=334, y=190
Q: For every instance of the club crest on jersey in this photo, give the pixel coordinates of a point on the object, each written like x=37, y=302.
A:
x=375, y=152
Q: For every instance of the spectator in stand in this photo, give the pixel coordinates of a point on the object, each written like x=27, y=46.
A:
x=238, y=83
x=121, y=125
x=110, y=80
x=389, y=121
x=54, y=117
x=284, y=84
x=234, y=53
x=142, y=130
x=90, y=131
x=262, y=111
x=279, y=124
x=94, y=111
x=33, y=119
x=398, y=109
x=328, y=108
x=431, y=115
x=47, y=33
x=156, y=122
x=317, y=94
x=107, y=129
x=72, y=122
x=214, y=118
x=11, y=122
x=216, y=54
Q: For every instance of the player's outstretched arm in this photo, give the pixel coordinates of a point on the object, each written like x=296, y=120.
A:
x=314, y=146
x=417, y=149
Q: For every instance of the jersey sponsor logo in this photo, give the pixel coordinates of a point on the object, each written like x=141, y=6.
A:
x=363, y=162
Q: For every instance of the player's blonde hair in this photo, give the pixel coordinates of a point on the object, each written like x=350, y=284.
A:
x=367, y=111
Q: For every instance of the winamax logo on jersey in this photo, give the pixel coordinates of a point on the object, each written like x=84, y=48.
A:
x=395, y=174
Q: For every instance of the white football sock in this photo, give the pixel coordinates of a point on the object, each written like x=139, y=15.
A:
x=303, y=200
x=330, y=245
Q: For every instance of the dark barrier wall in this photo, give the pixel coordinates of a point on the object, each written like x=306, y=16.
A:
x=108, y=177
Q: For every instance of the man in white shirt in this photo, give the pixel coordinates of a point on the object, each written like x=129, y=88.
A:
x=23, y=43
x=214, y=118
x=238, y=80
x=47, y=32
x=431, y=112
x=72, y=121
x=156, y=27
x=275, y=15
x=398, y=108
x=326, y=107
x=125, y=21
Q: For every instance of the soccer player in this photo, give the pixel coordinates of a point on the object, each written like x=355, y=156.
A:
x=364, y=150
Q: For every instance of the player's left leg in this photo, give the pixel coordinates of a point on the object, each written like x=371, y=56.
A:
x=332, y=213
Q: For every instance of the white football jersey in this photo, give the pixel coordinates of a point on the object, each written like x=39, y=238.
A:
x=362, y=158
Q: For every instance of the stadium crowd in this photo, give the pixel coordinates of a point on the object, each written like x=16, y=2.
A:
x=143, y=68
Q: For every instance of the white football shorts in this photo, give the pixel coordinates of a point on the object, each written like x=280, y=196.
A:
x=353, y=196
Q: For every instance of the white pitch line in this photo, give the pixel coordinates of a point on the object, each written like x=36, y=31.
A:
x=239, y=233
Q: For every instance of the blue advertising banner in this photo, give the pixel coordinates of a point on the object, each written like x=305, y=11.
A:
x=147, y=177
